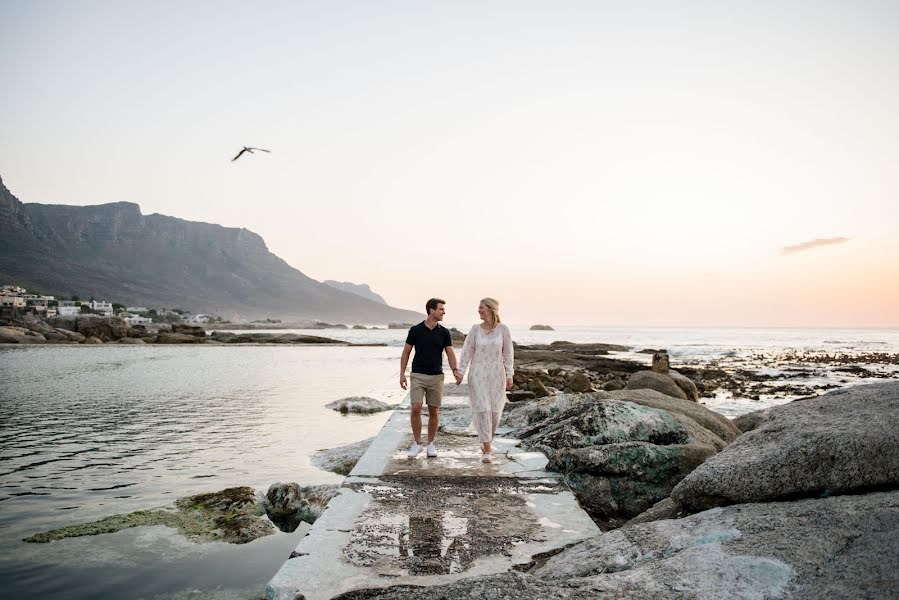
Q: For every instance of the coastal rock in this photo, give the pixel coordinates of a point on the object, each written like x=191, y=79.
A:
x=359, y=327
x=456, y=336
x=165, y=337
x=188, y=330
x=618, y=456
x=91, y=340
x=578, y=383
x=73, y=336
x=613, y=385
x=841, y=547
x=660, y=362
x=399, y=325
x=38, y=326
x=619, y=481
x=845, y=441
x=232, y=515
x=56, y=337
x=809, y=549
x=663, y=509
x=358, y=404
x=685, y=384
x=718, y=424
x=536, y=386
x=752, y=420
x=289, y=504
x=132, y=341
x=20, y=335
x=650, y=380
x=520, y=395
x=342, y=459
x=541, y=328
x=589, y=420
x=270, y=338
x=104, y=328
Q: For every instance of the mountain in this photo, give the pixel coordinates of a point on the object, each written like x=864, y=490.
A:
x=360, y=289
x=114, y=252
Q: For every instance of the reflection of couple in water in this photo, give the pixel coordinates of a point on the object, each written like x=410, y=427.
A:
x=426, y=538
x=488, y=356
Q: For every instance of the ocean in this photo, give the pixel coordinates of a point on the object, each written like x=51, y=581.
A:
x=91, y=431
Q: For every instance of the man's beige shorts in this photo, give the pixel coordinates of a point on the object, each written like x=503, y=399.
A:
x=428, y=387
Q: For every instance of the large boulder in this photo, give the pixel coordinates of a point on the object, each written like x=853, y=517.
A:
x=660, y=382
x=619, y=458
x=830, y=548
x=73, y=336
x=103, y=328
x=751, y=420
x=619, y=481
x=166, y=337
x=578, y=383
x=842, y=547
x=685, y=384
x=287, y=504
x=342, y=459
x=20, y=335
x=539, y=327
x=358, y=404
x=38, y=326
x=845, y=441
x=714, y=422
x=188, y=330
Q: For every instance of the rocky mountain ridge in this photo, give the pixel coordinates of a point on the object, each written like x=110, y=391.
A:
x=113, y=251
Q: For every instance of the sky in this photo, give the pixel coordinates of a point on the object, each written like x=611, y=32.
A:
x=585, y=163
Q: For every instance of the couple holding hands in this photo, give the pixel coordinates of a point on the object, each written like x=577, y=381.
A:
x=487, y=354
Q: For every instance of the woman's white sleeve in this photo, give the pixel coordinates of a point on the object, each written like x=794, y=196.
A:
x=508, y=353
x=467, y=350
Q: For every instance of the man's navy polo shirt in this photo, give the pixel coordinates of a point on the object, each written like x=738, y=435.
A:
x=429, y=345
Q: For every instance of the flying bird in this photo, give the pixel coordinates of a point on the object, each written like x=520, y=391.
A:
x=250, y=150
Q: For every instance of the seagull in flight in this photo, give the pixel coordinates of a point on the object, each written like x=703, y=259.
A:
x=250, y=150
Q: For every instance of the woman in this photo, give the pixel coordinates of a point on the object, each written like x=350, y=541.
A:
x=488, y=349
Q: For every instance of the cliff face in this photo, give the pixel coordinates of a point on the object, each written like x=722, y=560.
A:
x=360, y=289
x=112, y=251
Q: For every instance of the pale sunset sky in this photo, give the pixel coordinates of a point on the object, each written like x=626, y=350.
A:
x=586, y=163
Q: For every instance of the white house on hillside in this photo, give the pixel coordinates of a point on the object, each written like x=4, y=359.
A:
x=102, y=308
x=69, y=308
x=198, y=319
x=137, y=320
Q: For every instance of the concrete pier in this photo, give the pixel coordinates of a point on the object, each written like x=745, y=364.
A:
x=428, y=521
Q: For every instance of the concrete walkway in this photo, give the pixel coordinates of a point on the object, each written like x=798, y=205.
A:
x=428, y=521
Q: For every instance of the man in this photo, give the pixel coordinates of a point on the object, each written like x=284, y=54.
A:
x=430, y=339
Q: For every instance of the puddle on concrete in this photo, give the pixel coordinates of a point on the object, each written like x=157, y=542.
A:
x=441, y=525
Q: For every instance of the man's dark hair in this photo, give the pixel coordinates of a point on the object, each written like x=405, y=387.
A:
x=432, y=304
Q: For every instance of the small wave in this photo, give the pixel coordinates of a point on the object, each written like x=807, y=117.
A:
x=114, y=487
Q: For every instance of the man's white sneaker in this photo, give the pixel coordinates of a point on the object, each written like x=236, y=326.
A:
x=432, y=450
x=487, y=458
x=414, y=449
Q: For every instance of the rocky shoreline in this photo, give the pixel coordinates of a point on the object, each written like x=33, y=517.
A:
x=805, y=505
x=92, y=330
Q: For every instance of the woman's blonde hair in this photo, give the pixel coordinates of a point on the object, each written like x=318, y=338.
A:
x=493, y=306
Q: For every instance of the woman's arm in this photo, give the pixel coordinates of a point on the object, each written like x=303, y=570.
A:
x=508, y=354
x=467, y=350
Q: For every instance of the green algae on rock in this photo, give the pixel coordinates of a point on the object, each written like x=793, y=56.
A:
x=232, y=515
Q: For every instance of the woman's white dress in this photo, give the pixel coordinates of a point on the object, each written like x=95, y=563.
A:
x=490, y=356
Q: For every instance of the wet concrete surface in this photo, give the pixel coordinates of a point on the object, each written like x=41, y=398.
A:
x=427, y=521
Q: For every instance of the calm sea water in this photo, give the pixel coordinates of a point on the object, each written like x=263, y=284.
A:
x=91, y=431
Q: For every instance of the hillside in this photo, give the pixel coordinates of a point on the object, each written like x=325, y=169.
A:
x=114, y=252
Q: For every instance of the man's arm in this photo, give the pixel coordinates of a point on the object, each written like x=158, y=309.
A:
x=404, y=360
x=454, y=364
